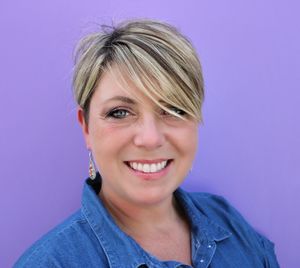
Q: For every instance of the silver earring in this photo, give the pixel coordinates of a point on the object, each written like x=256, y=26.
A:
x=92, y=168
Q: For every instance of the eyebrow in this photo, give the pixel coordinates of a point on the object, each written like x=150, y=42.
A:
x=122, y=99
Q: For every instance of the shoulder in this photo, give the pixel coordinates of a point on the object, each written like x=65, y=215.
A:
x=219, y=210
x=216, y=208
x=58, y=247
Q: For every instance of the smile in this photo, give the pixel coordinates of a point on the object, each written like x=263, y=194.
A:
x=148, y=167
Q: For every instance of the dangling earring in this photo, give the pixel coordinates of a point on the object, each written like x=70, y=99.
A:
x=92, y=169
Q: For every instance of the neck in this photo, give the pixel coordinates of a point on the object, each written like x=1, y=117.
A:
x=139, y=219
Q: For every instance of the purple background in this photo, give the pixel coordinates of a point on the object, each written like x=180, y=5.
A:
x=250, y=143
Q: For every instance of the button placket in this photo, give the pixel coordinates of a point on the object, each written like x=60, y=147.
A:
x=205, y=253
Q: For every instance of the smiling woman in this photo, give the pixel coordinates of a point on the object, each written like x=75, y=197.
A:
x=139, y=90
x=127, y=130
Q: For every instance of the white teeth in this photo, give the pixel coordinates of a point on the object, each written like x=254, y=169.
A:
x=153, y=168
x=139, y=167
x=159, y=166
x=134, y=165
x=148, y=168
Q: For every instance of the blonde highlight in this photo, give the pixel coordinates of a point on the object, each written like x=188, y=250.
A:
x=152, y=55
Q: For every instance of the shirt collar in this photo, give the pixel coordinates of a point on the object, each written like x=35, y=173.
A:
x=121, y=248
x=118, y=246
x=204, y=228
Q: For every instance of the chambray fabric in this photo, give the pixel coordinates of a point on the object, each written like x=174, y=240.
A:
x=90, y=238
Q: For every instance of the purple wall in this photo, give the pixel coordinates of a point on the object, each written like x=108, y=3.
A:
x=249, y=146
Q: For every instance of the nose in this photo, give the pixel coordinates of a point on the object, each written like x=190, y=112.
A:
x=149, y=133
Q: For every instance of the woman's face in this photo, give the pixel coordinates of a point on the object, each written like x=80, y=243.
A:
x=142, y=152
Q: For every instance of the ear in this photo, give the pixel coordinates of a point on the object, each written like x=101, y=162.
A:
x=84, y=126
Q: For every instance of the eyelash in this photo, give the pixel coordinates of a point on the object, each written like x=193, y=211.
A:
x=125, y=113
x=113, y=113
x=175, y=110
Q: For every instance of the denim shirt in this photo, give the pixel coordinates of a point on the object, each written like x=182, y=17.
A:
x=220, y=237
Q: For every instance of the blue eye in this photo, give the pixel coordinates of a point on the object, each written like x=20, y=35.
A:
x=175, y=110
x=178, y=111
x=118, y=113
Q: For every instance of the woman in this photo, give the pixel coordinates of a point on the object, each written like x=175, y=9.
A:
x=139, y=90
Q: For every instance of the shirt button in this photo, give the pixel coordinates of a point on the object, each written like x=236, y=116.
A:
x=209, y=246
x=202, y=260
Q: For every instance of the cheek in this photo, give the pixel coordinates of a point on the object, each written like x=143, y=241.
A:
x=103, y=129
x=107, y=143
x=188, y=140
x=192, y=144
x=106, y=136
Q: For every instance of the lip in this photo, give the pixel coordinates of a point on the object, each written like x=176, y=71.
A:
x=147, y=161
x=150, y=176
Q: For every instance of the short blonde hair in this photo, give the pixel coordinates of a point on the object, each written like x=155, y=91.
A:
x=152, y=55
